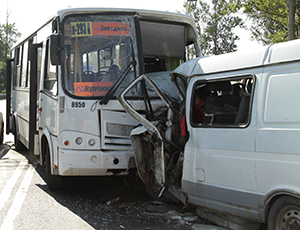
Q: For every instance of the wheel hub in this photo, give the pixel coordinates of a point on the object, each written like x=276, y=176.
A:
x=291, y=220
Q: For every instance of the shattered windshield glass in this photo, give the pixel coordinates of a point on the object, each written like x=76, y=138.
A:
x=98, y=50
x=163, y=81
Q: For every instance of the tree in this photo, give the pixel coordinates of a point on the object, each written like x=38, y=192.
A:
x=215, y=23
x=272, y=20
x=8, y=36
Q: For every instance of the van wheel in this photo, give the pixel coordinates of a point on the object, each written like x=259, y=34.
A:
x=54, y=182
x=284, y=214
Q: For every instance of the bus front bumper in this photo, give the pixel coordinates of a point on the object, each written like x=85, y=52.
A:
x=94, y=163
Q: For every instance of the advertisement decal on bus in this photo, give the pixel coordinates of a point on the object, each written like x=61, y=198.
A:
x=92, y=88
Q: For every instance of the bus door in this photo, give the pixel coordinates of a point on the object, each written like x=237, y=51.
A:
x=33, y=101
x=48, y=100
x=9, y=76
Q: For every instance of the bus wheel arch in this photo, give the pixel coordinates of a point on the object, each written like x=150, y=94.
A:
x=54, y=182
x=283, y=211
x=45, y=140
x=44, y=143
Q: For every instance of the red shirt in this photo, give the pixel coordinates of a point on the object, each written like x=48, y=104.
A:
x=199, y=112
x=198, y=117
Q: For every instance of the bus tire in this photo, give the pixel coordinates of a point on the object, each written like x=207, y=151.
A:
x=284, y=214
x=54, y=182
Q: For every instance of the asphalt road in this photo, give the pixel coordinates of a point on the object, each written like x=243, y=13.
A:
x=85, y=203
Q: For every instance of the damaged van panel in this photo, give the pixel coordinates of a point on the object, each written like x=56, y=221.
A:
x=156, y=142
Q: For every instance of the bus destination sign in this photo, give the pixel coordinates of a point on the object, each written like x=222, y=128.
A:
x=82, y=29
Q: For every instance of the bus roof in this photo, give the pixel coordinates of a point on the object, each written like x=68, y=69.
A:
x=143, y=14
x=277, y=53
x=147, y=14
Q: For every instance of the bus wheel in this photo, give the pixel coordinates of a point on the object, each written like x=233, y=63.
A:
x=284, y=214
x=54, y=182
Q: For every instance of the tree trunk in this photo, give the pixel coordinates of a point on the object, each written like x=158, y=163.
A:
x=291, y=26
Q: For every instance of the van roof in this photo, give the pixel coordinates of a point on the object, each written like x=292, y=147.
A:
x=277, y=53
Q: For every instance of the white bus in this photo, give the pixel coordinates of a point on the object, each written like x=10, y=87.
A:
x=63, y=82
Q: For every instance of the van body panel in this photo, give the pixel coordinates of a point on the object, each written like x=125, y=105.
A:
x=238, y=170
x=219, y=169
x=242, y=154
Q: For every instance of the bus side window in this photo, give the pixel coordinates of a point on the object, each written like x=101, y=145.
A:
x=19, y=66
x=24, y=65
x=50, y=74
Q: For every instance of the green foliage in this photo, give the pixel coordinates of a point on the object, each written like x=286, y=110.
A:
x=8, y=36
x=215, y=23
x=269, y=19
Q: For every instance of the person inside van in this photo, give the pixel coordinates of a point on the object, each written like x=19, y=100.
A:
x=199, y=102
x=198, y=109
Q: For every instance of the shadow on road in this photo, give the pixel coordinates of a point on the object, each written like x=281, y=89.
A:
x=109, y=203
x=4, y=148
x=114, y=202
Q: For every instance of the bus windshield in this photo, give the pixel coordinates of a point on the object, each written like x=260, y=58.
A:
x=99, y=49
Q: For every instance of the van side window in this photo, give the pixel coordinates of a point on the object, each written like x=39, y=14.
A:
x=224, y=102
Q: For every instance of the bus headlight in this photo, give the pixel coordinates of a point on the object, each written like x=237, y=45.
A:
x=78, y=140
x=91, y=142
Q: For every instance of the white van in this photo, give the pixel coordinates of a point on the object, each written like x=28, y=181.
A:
x=237, y=154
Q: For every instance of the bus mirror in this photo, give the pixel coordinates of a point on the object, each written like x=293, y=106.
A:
x=56, y=49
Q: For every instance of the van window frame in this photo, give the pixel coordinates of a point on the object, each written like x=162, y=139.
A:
x=218, y=79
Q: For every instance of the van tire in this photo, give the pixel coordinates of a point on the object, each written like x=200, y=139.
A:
x=284, y=214
x=54, y=182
